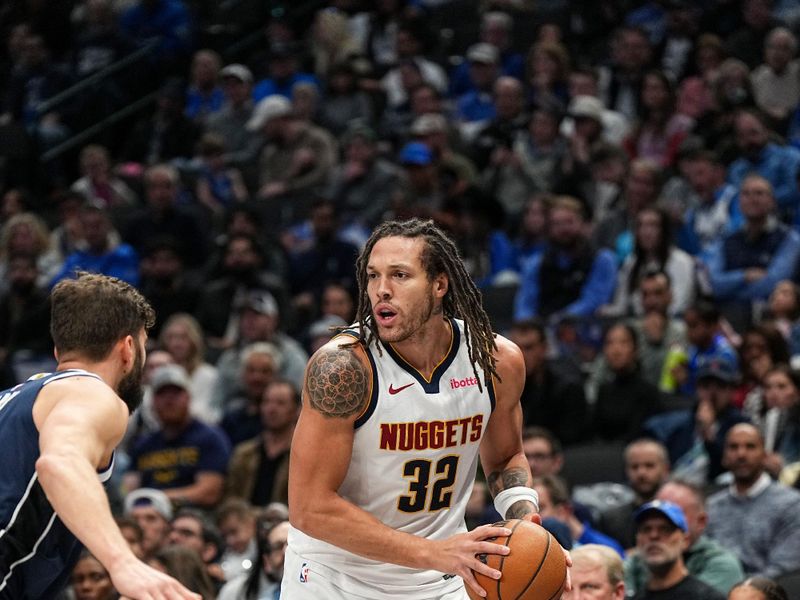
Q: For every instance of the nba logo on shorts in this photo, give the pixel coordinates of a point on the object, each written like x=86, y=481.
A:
x=304, y=573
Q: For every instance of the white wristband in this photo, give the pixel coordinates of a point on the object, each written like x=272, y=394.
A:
x=505, y=499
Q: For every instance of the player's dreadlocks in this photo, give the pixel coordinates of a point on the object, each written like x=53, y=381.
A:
x=462, y=299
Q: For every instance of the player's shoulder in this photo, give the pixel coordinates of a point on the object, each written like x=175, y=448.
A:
x=338, y=378
x=79, y=388
x=508, y=354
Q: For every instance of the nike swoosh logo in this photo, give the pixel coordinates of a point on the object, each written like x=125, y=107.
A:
x=394, y=390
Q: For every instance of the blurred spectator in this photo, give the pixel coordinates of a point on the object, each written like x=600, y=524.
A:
x=695, y=436
x=236, y=521
x=344, y=101
x=597, y=573
x=187, y=567
x=182, y=337
x=783, y=312
x=747, y=42
x=185, y=458
x=98, y=42
x=192, y=530
x=282, y=72
x=410, y=46
x=264, y=579
x=531, y=236
x=432, y=130
x=496, y=30
x=554, y=503
x=165, y=283
x=662, y=537
x=584, y=82
x=337, y=300
x=204, y=96
x=508, y=122
x=647, y=468
x=332, y=41
x=144, y=421
x=553, y=396
x=132, y=533
x=152, y=510
x=777, y=164
x=258, y=321
x=569, y=278
x=242, y=419
x=102, y=254
x=704, y=558
x=718, y=213
x=363, y=185
x=99, y=185
x=776, y=83
x=755, y=517
x=475, y=106
x=759, y=588
x=627, y=399
x=762, y=348
x=26, y=234
x=162, y=216
x=776, y=412
x=167, y=21
x=218, y=187
x=306, y=102
x=543, y=451
x=653, y=250
x=298, y=158
x=90, y=580
x=660, y=130
x=259, y=467
x=230, y=121
x=165, y=134
x=547, y=73
x=322, y=331
x=745, y=266
x=621, y=81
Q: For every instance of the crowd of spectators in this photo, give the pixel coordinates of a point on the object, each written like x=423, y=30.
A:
x=622, y=179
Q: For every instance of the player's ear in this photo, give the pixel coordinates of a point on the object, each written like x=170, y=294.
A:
x=440, y=285
x=127, y=349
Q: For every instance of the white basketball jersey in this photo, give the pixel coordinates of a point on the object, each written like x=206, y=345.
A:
x=415, y=455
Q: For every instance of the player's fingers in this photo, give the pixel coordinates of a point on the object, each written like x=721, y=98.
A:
x=469, y=579
x=488, y=531
x=489, y=548
x=484, y=569
x=567, y=557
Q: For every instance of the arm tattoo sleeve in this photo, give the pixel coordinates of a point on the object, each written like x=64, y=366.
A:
x=512, y=477
x=337, y=383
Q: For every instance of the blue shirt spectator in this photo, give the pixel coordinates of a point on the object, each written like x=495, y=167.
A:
x=166, y=20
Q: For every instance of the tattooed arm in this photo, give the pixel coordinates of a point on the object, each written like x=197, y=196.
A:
x=335, y=392
x=502, y=457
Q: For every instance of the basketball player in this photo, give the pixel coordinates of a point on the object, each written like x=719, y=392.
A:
x=395, y=412
x=59, y=431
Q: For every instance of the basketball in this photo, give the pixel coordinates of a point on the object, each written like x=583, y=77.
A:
x=534, y=569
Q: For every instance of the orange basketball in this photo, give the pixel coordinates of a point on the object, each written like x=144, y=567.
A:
x=534, y=569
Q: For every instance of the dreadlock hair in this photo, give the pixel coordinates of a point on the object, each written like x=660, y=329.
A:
x=462, y=299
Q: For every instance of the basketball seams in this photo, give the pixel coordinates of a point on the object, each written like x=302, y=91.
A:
x=539, y=568
x=503, y=557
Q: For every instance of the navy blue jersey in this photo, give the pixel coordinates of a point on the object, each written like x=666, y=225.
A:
x=37, y=551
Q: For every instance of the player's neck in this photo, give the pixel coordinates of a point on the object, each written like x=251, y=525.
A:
x=101, y=369
x=426, y=349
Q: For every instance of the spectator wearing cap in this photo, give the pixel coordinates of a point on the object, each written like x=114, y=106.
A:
x=298, y=157
x=364, y=184
x=432, y=130
x=475, y=107
x=258, y=321
x=204, y=97
x=704, y=558
x=230, y=121
x=776, y=83
x=282, y=72
x=586, y=113
x=747, y=264
x=423, y=194
x=755, y=517
x=151, y=509
x=103, y=253
x=496, y=30
x=695, y=437
x=662, y=536
x=584, y=81
x=508, y=97
x=185, y=458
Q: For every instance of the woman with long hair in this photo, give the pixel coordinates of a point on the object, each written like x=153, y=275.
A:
x=653, y=251
x=263, y=580
x=660, y=129
x=182, y=337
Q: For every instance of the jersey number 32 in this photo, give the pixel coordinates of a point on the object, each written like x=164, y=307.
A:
x=424, y=493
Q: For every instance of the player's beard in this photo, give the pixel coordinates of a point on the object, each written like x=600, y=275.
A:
x=416, y=320
x=130, y=388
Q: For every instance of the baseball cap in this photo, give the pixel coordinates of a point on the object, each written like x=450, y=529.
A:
x=587, y=107
x=237, y=71
x=718, y=367
x=483, y=53
x=260, y=301
x=428, y=123
x=149, y=497
x=671, y=511
x=416, y=153
x=271, y=107
x=169, y=375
